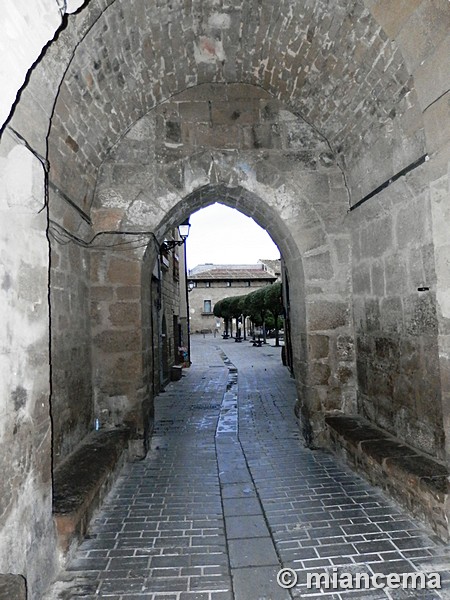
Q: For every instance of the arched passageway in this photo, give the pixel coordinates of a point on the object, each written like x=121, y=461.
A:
x=269, y=181
x=328, y=126
x=228, y=495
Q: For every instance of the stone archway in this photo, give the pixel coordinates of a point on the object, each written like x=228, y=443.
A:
x=316, y=322
x=382, y=56
x=182, y=160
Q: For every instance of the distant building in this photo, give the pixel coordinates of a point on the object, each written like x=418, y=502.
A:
x=168, y=333
x=209, y=283
x=272, y=266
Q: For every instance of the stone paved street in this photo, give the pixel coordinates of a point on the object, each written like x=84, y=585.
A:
x=228, y=495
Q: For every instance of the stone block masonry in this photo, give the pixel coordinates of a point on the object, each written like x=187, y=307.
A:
x=117, y=344
x=396, y=323
x=173, y=179
x=347, y=99
x=12, y=587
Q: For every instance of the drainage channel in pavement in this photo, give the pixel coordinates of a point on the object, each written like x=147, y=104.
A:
x=253, y=558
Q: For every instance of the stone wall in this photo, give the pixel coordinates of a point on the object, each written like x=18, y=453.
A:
x=71, y=400
x=440, y=215
x=129, y=298
x=170, y=313
x=116, y=332
x=338, y=69
x=371, y=77
x=162, y=297
x=237, y=135
x=400, y=244
x=26, y=528
x=151, y=360
x=396, y=323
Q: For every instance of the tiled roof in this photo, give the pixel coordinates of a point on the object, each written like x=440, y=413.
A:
x=231, y=274
x=212, y=267
x=274, y=265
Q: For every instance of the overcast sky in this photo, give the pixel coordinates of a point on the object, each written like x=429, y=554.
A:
x=223, y=235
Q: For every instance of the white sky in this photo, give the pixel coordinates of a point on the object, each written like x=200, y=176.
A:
x=223, y=235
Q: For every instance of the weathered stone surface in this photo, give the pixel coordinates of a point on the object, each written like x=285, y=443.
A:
x=82, y=481
x=124, y=313
x=127, y=367
x=324, y=315
x=117, y=341
x=428, y=25
x=99, y=293
x=123, y=272
x=320, y=373
x=393, y=20
x=361, y=280
x=37, y=23
x=377, y=238
x=318, y=266
x=128, y=293
x=345, y=348
x=13, y=587
x=344, y=375
x=318, y=346
x=107, y=219
x=375, y=104
x=431, y=78
x=420, y=315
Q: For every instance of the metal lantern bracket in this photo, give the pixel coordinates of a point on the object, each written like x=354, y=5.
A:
x=183, y=232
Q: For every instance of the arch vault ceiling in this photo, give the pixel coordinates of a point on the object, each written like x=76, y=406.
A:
x=329, y=62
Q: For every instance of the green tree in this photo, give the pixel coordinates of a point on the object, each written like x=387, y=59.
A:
x=274, y=304
x=255, y=307
x=222, y=310
x=236, y=312
x=244, y=312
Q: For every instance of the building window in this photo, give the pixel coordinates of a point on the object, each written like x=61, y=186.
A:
x=228, y=283
x=247, y=283
x=207, y=284
x=176, y=267
x=165, y=262
x=207, y=306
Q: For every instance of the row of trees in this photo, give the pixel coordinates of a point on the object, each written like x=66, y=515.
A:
x=264, y=307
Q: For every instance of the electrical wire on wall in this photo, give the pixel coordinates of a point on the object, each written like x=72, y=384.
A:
x=60, y=234
x=63, y=237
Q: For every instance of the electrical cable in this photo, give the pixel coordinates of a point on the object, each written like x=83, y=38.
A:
x=63, y=236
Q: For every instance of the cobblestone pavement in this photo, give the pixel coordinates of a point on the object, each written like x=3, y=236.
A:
x=228, y=495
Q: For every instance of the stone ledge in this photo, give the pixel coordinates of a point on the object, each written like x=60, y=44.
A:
x=416, y=481
x=12, y=587
x=81, y=482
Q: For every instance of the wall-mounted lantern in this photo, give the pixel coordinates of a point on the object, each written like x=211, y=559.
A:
x=183, y=232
